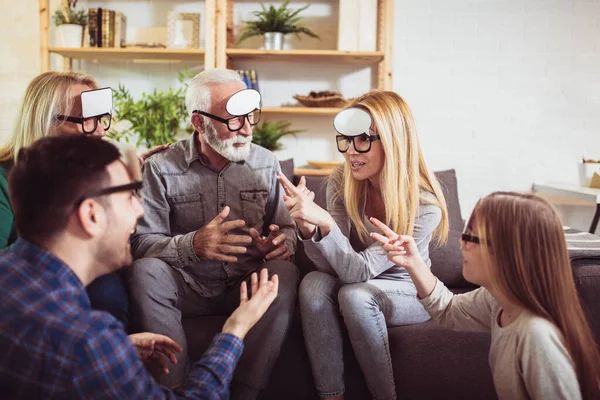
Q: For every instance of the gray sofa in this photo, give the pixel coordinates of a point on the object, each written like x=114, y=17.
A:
x=429, y=362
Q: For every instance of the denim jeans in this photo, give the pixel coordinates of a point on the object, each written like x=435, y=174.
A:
x=366, y=309
x=107, y=293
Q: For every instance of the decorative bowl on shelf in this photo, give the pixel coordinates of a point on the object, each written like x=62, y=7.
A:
x=323, y=99
x=324, y=164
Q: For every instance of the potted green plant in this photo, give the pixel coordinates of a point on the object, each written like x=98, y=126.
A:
x=267, y=134
x=155, y=118
x=274, y=23
x=69, y=23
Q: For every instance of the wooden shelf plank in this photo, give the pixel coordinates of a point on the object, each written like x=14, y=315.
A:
x=302, y=110
x=126, y=53
x=353, y=57
x=312, y=171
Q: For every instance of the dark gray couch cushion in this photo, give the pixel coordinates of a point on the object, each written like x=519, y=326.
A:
x=447, y=180
x=287, y=167
x=431, y=363
x=317, y=184
x=587, y=277
x=446, y=260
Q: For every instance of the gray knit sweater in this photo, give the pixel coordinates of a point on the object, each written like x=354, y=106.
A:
x=342, y=252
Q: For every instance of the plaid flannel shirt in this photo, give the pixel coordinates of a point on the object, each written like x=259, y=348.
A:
x=53, y=345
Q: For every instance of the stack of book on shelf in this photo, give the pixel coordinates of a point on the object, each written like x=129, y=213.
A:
x=250, y=78
x=106, y=28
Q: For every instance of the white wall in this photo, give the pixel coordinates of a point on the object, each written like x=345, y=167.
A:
x=20, y=61
x=507, y=92
x=504, y=91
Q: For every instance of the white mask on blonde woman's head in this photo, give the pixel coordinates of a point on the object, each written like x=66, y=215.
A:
x=353, y=122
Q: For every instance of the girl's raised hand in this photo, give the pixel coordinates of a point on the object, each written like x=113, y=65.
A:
x=401, y=249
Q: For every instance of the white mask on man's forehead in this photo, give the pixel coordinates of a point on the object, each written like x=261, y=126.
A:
x=96, y=102
x=243, y=102
x=353, y=122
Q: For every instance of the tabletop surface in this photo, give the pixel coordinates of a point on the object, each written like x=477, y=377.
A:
x=569, y=190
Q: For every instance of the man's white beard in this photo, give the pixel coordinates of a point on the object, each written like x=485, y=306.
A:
x=225, y=147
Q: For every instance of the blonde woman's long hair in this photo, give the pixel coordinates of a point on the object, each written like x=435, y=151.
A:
x=529, y=264
x=404, y=177
x=46, y=96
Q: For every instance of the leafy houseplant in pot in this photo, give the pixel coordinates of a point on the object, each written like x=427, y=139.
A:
x=267, y=134
x=156, y=118
x=274, y=23
x=69, y=24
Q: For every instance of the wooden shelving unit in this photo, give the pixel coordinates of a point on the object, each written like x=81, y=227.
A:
x=219, y=51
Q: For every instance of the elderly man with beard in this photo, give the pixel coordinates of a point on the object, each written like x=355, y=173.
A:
x=214, y=214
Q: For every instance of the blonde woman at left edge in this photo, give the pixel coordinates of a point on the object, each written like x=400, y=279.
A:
x=51, y=105
x=384, y=176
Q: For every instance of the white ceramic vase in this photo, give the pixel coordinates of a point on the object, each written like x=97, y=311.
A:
x=69, y=35
x=586, y=171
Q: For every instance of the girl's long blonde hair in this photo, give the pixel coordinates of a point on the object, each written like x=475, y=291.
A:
x=404, y=176
x=46, y=96
x=529, y=264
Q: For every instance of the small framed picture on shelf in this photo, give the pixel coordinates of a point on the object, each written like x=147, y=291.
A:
x=183, y=30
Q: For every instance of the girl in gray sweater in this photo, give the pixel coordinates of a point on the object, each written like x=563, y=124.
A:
x=384, y=175
x=514, y=248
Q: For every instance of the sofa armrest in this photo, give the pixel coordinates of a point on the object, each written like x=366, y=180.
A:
x=586, y=272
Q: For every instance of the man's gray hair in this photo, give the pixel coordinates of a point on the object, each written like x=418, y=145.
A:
x=198, y=93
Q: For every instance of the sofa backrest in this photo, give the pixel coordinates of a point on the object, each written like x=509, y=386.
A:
x=446, y=259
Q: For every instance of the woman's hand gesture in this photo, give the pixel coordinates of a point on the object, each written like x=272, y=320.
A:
x=299, y=201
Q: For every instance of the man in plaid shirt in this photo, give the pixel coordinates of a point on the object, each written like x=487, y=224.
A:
x=76, y=203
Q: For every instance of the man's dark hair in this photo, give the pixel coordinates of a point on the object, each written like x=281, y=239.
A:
x=49, y=179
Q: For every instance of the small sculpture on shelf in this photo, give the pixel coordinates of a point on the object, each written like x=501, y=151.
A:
x=274, y=23
x=69, y=24
x=325, y=98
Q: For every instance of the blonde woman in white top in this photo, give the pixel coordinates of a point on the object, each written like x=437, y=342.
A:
x=514, y=248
